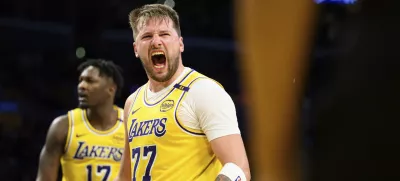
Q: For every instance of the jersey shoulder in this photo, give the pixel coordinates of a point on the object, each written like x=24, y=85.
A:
x=131, y=98
x=206, y=87
x=203, y=81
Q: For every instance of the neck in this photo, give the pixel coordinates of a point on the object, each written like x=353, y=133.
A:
x=157, y=86
x=102, y=116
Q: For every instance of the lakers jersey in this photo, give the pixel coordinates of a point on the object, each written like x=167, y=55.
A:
x=161, y=147
x=90, y=154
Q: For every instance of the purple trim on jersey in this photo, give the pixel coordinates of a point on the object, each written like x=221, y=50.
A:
x=131, y=112
x=134, y=100
x=181, y=87
x=176, y=110
x=148, y=104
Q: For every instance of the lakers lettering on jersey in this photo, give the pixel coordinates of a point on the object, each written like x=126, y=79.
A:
x=90, y=154
x=162, y=148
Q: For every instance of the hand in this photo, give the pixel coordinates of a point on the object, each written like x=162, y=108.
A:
x=221, y=177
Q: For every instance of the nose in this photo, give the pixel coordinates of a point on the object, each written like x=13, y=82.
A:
x=156, y=42
x=82, y=86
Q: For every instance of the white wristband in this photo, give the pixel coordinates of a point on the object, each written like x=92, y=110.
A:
x=233, y=172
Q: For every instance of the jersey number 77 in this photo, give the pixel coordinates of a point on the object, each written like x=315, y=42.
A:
x=149, y=152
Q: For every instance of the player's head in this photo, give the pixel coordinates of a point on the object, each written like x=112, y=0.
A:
x=158, y=42
x=99, y=81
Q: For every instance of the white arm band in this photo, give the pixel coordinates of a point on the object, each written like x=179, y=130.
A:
x=233, y=172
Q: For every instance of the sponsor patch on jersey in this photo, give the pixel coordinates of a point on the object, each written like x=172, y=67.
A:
x=238, y=178
x=118, y=137
x=166, y=105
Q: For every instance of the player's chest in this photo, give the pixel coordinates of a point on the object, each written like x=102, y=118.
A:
x=81, y=149
x=150, y=123
x=86, y=145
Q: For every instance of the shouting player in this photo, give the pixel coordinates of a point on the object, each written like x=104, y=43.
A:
x=181, y=125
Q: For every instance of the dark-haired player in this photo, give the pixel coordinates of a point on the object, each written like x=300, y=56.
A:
x=88, y=141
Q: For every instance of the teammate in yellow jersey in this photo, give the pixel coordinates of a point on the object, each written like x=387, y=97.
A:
x=180, y=125
x=89, y=140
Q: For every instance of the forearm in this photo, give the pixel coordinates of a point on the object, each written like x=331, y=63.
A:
x=119, y=178
x=125, y=170
x=221, y=177
x=124, y=173
x=233, y=172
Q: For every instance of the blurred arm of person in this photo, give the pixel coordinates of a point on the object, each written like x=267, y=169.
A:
x=125, y=169
x=53, y=149
x=215, y=111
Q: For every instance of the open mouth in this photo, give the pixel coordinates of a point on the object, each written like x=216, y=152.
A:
x=159, y=60
x=82, y=97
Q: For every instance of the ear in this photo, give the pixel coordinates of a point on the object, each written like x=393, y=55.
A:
x=112, y=90
x=135, y=50
x=181, y=45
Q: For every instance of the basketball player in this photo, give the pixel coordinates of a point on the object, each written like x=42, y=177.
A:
x=181, y=125
x=89, y=140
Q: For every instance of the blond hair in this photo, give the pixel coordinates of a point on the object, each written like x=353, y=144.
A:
x=139, y=16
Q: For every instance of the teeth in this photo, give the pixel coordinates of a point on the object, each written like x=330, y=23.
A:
x=157, y=53
x=159, y=66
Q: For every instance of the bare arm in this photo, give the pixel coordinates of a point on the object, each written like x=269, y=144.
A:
x=53, y=150
x=230, y=149
x=221, y=177
x=125, y=170
x=216, y=113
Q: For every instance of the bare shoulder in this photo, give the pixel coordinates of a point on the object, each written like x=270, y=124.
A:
x=131, y=98
x=60, y=122
x=59, y=128
x=128, y=104
x=57, y=135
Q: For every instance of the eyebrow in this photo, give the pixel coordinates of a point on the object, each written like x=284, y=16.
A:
x=149, y=32
x=165, y=31
x=145, y=33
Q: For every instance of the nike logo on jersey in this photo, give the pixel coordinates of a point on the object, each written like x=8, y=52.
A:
x=133, y=112
x=80, y=135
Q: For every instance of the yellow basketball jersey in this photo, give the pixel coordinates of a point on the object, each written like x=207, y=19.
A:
x=90, y=154
x=161, y=147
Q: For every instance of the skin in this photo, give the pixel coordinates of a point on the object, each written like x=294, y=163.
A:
x=222, y=178
x=99, y=102
x=53, y=150
x=159, y=35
